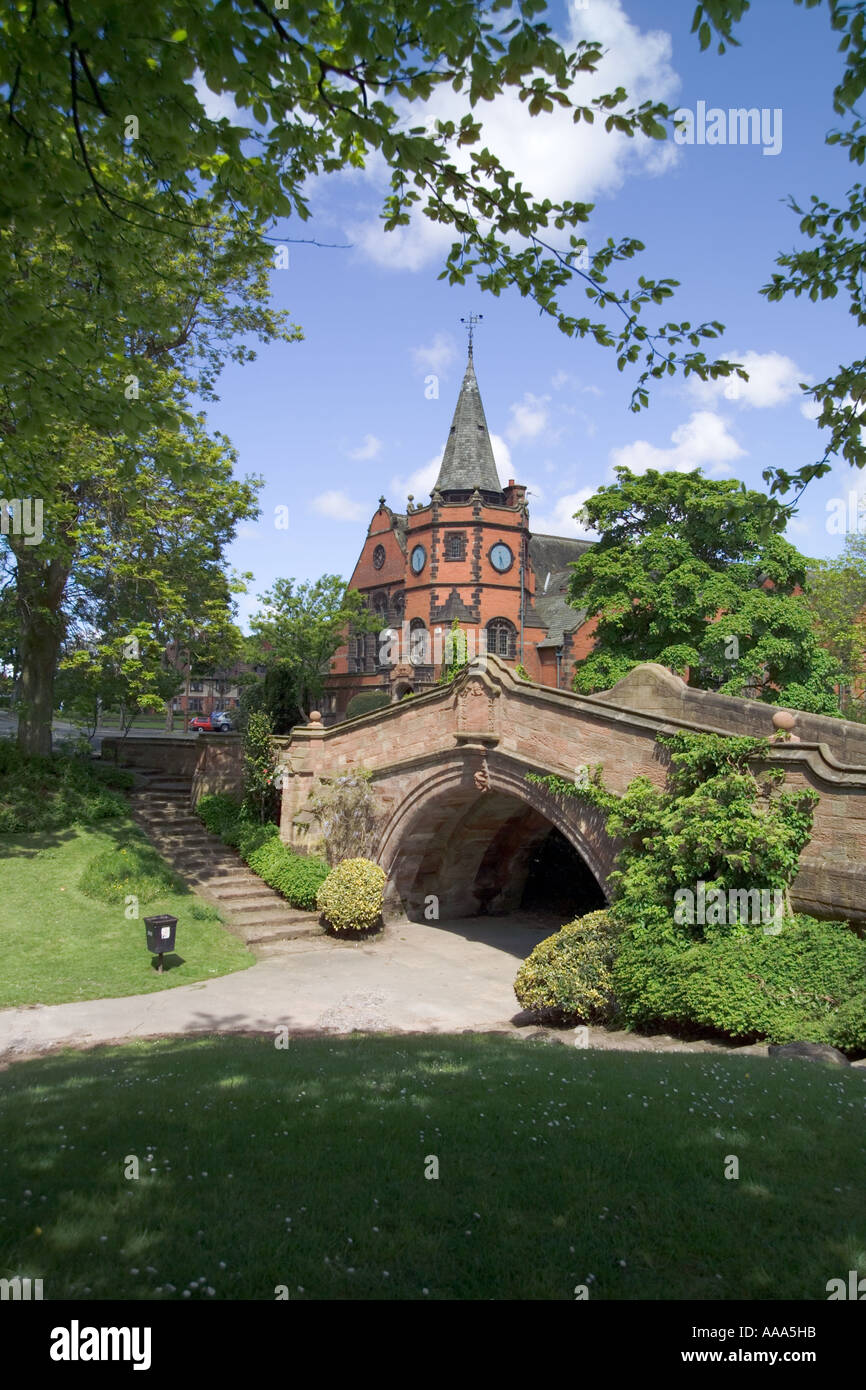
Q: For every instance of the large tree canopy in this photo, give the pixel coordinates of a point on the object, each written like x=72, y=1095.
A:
x=136, y=519
x=107, y=147
x=836, y=596
x=693, y=573
x=834, y=258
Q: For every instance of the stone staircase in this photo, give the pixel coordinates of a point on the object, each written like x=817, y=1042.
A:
x=250, y=909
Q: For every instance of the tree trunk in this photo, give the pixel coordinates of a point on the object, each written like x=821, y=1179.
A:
x=40, y=648
x=40, y=589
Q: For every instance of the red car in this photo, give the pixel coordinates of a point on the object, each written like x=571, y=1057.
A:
x=202, y=722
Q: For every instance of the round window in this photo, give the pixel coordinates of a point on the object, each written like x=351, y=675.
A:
x=379, y=556
x=419, y=558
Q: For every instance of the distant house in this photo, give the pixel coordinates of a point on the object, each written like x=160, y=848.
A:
x=212, y=690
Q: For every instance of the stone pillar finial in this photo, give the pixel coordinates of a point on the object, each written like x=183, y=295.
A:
x=315, y=717
x=783, y=723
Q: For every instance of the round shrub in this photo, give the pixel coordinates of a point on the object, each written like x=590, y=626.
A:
x=351, y=897
x=567, y=978
x=366, y=701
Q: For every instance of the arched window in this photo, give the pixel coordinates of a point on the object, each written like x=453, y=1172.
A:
x=502, y=638
x=419, y=643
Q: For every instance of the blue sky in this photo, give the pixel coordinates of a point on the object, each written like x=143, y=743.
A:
x=337, y=420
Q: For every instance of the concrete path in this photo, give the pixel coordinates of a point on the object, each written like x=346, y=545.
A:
x=417, y=977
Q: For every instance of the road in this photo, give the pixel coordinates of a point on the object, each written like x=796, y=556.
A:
x=62, y=729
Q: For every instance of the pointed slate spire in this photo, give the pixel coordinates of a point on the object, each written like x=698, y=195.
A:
x=468, y=461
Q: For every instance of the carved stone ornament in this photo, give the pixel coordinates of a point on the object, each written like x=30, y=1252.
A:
x=475, y=708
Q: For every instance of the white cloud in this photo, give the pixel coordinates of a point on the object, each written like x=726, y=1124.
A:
x=370, y=449
x=501, y=457
x=528, y=417
x=549, y=154
x=702, y=441
x=773, y=379
x=560, y=521
x=563, y=378
x=811, y=409
x=419, y=484
x=339, y=506
x=437, y=356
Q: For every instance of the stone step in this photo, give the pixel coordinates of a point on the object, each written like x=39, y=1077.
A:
x=153, y=806
x=164, y=830
x=166, y=784
x=187, y=824
x=241, y=888
x=169, y=829
x=195, y=863
x=167, y=788
x=250, y=900
x=167, y=780
x=274, y=913
x=264, y=936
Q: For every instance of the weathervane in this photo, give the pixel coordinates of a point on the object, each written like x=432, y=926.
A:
x=470, y=324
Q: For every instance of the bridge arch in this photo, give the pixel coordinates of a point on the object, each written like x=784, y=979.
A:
x=466, y=829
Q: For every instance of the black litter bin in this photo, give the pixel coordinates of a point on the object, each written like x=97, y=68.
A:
x=160, y=935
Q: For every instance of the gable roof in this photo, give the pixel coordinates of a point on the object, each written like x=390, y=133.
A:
x=551, y=558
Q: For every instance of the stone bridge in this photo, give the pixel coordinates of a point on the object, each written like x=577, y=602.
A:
x=461, y=822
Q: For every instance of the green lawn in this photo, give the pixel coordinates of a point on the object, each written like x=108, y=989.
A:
x=305, y=1167
x=59, y=945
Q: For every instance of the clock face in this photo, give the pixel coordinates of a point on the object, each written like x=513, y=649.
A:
x=419, y=558
x=501, y=557
x=379, y=556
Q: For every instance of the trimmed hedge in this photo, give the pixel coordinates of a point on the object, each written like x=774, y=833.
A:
x=297, y=877
x=351, y=899
x=808, y=982
x=366, y=701
x=567, y=977
x=219, y=812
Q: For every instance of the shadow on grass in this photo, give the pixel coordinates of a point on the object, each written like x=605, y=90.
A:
x=311, y=1165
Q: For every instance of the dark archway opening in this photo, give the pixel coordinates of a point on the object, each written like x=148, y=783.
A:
x=488, y=854
x=559, y=880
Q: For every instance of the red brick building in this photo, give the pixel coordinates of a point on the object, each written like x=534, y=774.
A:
x=468, y=554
